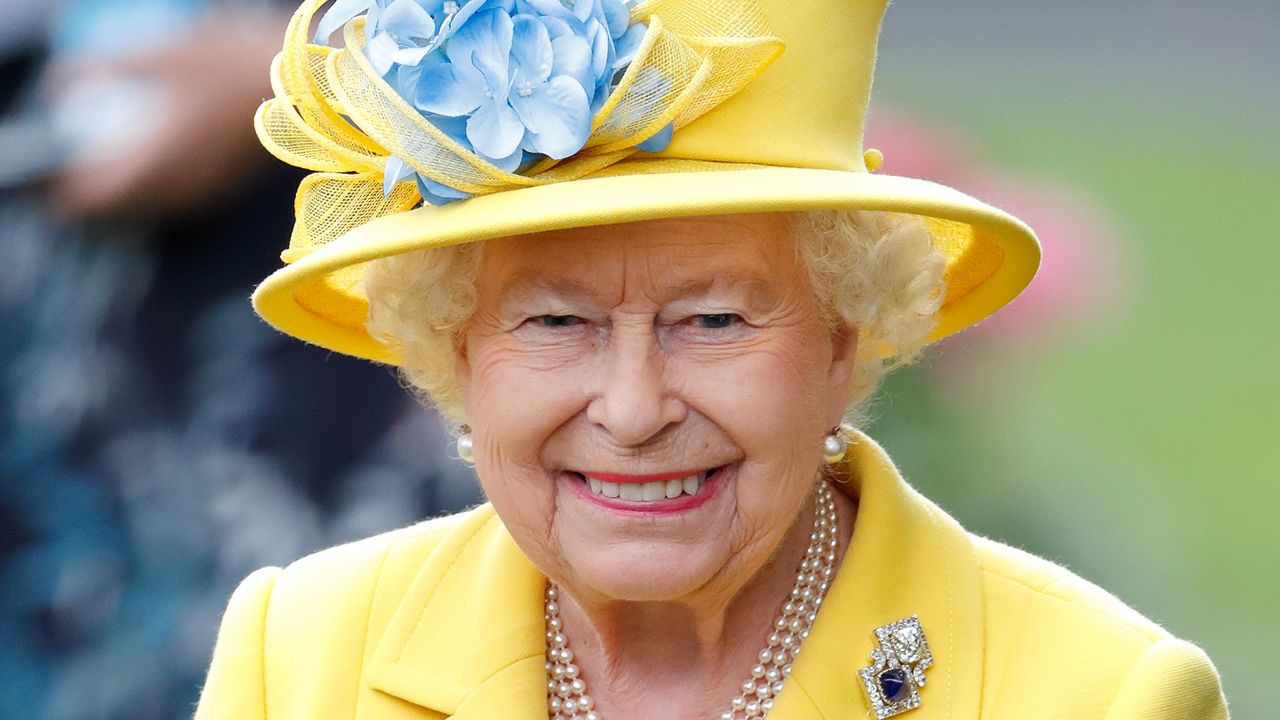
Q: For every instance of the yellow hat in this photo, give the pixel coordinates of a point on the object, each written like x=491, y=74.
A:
x=768, y=99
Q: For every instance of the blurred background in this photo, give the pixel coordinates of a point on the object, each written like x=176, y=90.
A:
x=158, y=442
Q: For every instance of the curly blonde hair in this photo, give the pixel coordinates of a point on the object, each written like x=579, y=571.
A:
x=877, y=271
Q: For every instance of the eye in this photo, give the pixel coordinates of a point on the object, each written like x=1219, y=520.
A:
x=717, y=321
x=557, y=321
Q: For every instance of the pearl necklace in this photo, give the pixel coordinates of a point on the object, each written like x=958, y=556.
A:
x=567, y=697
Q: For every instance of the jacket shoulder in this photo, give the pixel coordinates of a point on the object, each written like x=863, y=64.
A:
x=1057, y=643
x=300, y=634
x=1016, y=577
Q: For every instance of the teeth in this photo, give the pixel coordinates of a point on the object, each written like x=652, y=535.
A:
x=647, y=492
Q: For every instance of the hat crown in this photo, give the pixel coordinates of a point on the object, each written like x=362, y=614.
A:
x=807, y=109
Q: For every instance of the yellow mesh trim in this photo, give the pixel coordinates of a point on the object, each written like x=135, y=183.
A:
x=651, y=93
x=329, y=205
x=287, y=136
x=298, y=78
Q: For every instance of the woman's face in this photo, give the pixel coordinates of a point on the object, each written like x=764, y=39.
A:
x=648, y=401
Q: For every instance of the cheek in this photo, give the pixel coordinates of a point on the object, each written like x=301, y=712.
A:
x=770, y=400
x=516, y=401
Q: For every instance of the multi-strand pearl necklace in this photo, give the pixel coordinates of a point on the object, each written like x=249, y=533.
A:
x=567, y=692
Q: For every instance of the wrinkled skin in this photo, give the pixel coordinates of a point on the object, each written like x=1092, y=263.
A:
x=644, y=348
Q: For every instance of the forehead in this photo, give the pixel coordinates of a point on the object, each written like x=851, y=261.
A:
x=669, y=254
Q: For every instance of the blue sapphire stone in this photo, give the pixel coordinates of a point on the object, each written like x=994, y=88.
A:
x=893, y=684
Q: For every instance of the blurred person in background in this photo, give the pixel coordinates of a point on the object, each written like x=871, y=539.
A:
x=156, y=440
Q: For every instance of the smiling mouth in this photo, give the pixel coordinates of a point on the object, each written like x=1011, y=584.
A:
x=648, y=492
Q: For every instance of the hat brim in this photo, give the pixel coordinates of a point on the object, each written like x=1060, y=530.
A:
x=319, y=299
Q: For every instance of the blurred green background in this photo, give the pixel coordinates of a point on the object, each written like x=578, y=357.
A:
x=1135, y=444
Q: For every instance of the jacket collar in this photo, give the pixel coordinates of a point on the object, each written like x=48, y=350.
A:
x=467, y=640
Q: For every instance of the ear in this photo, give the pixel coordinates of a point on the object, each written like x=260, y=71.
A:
x=844, y=354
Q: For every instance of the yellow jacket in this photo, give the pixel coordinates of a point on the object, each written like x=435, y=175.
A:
x=445, y=619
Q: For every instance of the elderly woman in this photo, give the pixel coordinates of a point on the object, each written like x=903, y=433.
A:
x=653, y=283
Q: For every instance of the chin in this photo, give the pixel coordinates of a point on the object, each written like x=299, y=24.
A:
x=644, y=571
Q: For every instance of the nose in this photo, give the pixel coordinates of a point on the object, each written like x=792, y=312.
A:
x=634, y=400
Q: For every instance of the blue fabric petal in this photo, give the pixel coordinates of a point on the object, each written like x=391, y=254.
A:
x=573, y=58
x=531, y=49
x=407, y=21
x=626, y=46
x=405, y=78
x=339, y=14
x=371, y=19
x=396, y=171
x=442, y=91
x=552, y=8
x=458, y=20
x=583, y=9
x=557, y=115
x=659, y=141
x=556, y=27
x=437, y=194
x=601, y=46
x=381, y=52
x=495, y=130
x=601, y=72
x=496, y=80
x=617, y=15
x=484, y=43
x=412, y=56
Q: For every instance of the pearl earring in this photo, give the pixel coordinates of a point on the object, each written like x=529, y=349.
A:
x=466, y=446
x=834, y=447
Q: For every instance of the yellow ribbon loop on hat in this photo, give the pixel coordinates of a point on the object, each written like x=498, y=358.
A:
x=334, y=114
x=359, y=196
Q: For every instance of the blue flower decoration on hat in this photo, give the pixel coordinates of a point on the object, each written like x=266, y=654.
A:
x=514, y=81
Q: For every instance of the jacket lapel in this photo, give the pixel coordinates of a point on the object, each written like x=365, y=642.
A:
x=468, y=638
x=907, y=557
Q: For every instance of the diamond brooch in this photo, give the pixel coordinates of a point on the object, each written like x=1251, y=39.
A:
x=896, y=674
